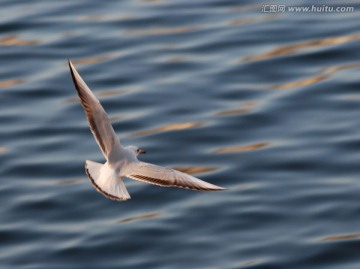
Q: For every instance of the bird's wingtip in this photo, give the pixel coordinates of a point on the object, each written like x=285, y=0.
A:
x=218, y=188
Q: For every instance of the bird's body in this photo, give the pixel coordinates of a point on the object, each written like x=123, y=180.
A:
x=122, y=161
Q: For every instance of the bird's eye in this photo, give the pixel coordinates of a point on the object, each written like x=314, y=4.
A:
x=137, y=150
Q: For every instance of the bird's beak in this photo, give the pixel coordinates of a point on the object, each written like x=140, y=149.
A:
x=141, y=151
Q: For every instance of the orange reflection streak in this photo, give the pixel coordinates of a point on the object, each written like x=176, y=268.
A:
x=242, y=148
x=15, y=41
x=341, y=237
x=242, y=21
x=174, y=59
x=139, y=217
x=195, y=169
x=229, y=112
x=2, y=150
x=117, y=118
x=113, y=92
x=340, y=67
x=107, y=93
x=297, y=47
x=163, y=31
x=72, y=100
x=91, y=60
x=299, y=83
x=247, y=107
x=250, y=103
x=10, y=82
x=168, y=128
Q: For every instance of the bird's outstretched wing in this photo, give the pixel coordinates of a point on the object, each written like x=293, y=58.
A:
x=99, y=123
x=166, y=177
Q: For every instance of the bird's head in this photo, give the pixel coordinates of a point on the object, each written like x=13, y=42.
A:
x=136, y=150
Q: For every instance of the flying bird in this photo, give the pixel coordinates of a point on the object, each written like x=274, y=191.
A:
x=123, y=161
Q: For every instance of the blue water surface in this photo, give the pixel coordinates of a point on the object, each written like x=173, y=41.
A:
x=266, y=104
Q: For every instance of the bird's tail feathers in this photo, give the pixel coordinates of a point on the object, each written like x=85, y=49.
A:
x=106, y=181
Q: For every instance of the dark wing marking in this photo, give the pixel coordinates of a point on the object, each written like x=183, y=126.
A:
x=166, y=177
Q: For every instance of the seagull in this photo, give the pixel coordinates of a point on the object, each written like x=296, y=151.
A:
x=122, y=162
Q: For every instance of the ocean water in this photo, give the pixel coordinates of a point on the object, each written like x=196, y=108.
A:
x=266, y=104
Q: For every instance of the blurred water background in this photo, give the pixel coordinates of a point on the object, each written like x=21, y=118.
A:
x=266, y=104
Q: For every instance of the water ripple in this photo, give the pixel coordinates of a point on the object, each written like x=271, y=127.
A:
x=195, y=169
x=299, y=83
x=336, y=68
x=100, y=93
x=299, y=47
x=169, y=128
x=10, y=82
x=341, y=237
x=13, y=40
x=170, y=70
x=140, y=217
x=162, y=31
x=91, y=60
x=233, y=149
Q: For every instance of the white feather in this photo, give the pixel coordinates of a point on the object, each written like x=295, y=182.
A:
x=106, y=181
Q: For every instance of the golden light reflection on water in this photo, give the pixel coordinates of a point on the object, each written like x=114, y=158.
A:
x=175, y=59
x=163, y=31
x=341, y=237
x=117, y=118
x=139, y=217
x=91, y=60
x=168, y=128
x=234, y=149
x=245, y=107
x=195, y=169
x=298, y=47
x=230, y=112
x=170, y=47
x=13, y=40
x=2, y=150
x=242, y=21
x=10, y=82
x=98, y=94
x=340, y=67
x=299, y=83
x=115, y=92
